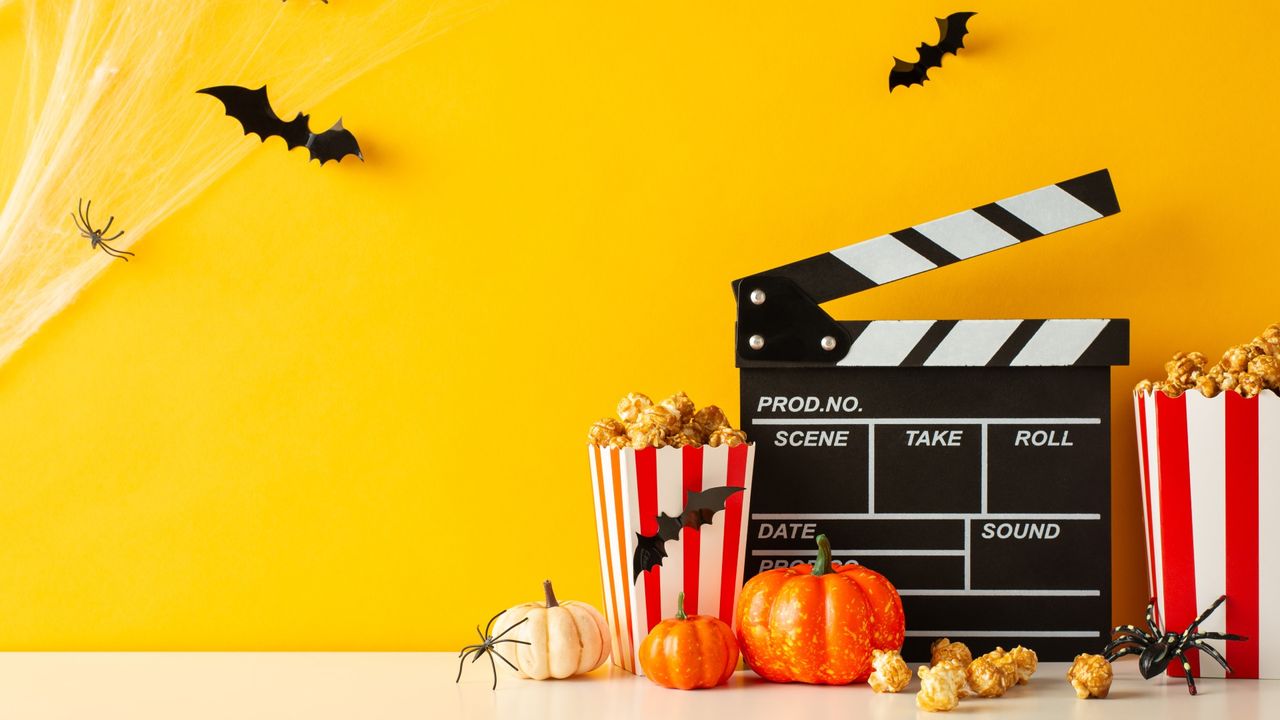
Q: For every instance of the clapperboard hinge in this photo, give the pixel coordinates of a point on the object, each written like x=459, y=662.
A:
x=781, y=324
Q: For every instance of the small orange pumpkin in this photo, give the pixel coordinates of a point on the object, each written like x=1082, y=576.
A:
x=818, y=623
x=689, y=652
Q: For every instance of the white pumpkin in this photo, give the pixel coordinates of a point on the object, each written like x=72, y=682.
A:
x=564, y=639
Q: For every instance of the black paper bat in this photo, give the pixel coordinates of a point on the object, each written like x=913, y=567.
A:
x=253, y=110
x=699, y=509
x=951, y=32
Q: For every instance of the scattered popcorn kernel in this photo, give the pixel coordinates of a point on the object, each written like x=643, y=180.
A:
x=986, y=678
x=1024, y=663
x=727, y=436
x=604, y=431
x=890, y=674
x=944, y=649
x=1090, y=675
x=681, y=405
x=630, y=407
x=938, y=689
x=1003, y=663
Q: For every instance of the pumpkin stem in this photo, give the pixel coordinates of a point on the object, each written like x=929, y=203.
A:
x=551, y=594
x=822, y=565
x=680, y=607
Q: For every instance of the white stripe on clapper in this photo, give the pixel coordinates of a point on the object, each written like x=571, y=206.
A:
x=886, y=342
x=1268, y=535
x=966, y=234
x=972, y=342
x=1206, y=453
x=1059, y=342
x=883, y=259
x=1049, y=209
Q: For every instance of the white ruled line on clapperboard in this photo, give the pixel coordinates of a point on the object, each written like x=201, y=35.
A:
x=827, y=400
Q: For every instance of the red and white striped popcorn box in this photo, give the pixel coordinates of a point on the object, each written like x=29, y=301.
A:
x=1211, y=495
x=631, y=489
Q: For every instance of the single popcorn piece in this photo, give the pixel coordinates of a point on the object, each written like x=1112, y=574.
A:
x=1184, y=368
x=709, y=419
x=1237, y=359
x=1208, y=386
x=1090, y=675
x=939, y=691
x=630, y=407
x=658, y=416
x=1248, y=384
x=944, y=649
x=986, y=678
x=1003, y=663
x=643, y=436
x=1024, y=663
x=604, y=431
x=727, y=436
x=1267, y=368
x=1144, y=387
x=891, y=673
x=681, y=405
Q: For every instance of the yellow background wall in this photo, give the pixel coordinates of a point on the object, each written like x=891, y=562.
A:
x=344, y=407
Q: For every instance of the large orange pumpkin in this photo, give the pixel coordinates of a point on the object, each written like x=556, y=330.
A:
x=689, y=652
x=818, y=623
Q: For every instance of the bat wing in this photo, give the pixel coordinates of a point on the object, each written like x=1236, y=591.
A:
x=649, y=553
x=951, y=32
x=702, y=507
x=253, y=110
x=334, y=144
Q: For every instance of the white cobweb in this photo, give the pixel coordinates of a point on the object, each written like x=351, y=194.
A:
x=109, y=112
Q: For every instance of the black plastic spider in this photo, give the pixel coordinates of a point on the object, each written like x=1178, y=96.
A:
x=1159, y=648
x=487, y=646
x=95, y=237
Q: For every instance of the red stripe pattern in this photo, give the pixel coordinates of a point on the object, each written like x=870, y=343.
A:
x=1242, y=532
x=647, y=496
x=732, y=528
x=691, y=462
x=1177, y=544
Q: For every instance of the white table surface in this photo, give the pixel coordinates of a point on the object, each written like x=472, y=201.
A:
x=316, y=686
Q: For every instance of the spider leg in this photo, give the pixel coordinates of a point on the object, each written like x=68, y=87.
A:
x=113, y=238
x=493, y=665
x=1216, y=636
x=518, y=642
x=504, y=659
x=1117, y=644
x=1195, y=624
x=114, y=252
x=1212, y=652
x=1113, y=656
x=513, y=627
x=76, y=220
x=1131, y=631
x=80, y=208
x=1186, y=670
x=108, y=227
x=468, y=648
x=460, y=661
x=1151, y=619
x=85, y=215
x=104, y=244
x=489, y=625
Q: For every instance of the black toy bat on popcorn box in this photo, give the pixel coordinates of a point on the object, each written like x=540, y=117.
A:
x=966, y=460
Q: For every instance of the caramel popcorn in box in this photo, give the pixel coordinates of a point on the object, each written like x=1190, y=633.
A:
x=674, y=421
x=1246, y=369
x=1090, y=675
x=890, y=674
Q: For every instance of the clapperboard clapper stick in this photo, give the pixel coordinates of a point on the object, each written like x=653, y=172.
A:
x=968, y=461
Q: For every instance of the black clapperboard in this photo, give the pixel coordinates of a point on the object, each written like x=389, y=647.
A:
x=969, y=461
